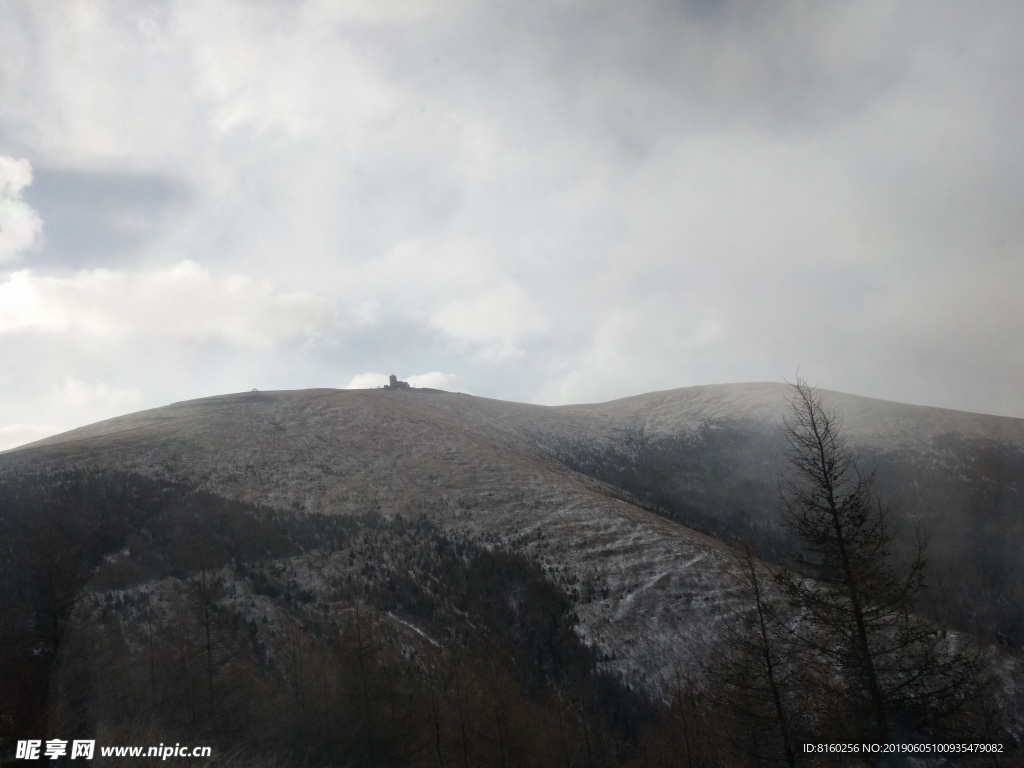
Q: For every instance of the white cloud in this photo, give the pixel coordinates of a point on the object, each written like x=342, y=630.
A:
x=13, y=435
x=368, y=380
x=449, y=382
x=184, y=302
x=495, y=322
x=15, y=175
x=21, y=229
x=66, y=403
x=70, y=394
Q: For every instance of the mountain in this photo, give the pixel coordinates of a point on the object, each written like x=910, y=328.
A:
x=711, y=457
x=289, y=502
x=708, y=457
x=480, y=467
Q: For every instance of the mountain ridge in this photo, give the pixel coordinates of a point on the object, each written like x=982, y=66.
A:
x=745, y=404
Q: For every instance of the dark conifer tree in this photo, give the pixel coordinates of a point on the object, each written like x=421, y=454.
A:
x=756, y=669
x=901, y=674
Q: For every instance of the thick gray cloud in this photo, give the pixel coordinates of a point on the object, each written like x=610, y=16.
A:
x=550, y=202
x=97, y=219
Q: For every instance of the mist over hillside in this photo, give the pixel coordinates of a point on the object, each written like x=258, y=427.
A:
x=283, y=512
x=711, y=458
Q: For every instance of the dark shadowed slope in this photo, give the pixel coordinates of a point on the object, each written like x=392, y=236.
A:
x=710, y=457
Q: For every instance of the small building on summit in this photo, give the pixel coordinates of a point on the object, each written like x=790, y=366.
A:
x=394, y=383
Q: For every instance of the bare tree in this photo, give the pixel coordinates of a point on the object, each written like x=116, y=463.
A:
x=901, y=674
x=764, y=666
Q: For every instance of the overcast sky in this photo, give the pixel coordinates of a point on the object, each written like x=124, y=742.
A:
x=549, y=202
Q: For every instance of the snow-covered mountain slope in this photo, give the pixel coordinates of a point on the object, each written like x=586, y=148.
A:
x=443, y=455
x=504, y=472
